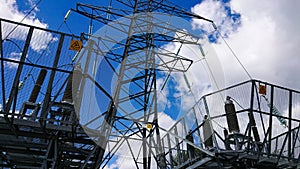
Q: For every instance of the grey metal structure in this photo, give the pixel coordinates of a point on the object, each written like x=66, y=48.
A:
x=135, y=55
x=49, y=120
x=38, y=127
x=268, y=135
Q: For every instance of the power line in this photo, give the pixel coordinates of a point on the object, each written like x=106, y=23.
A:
x=36, y=4
x=231, y=50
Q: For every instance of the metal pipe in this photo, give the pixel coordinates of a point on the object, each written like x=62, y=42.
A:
x=37, y=87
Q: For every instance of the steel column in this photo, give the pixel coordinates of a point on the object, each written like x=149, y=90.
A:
x=14, y=89
x=47, y=99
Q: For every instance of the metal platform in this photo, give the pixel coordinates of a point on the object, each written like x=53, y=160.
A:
x=45, y=124
x=268, y=135
x=38, y=129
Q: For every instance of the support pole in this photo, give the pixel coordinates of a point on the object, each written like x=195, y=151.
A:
x=14, y=90
x=47, y=99
x=2, y=68
x=144, y=149
x=251, y=116
x=270, y=120
x=290, y=124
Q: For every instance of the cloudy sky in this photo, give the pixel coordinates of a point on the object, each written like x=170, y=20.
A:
x=263, y=34
x=266, y=40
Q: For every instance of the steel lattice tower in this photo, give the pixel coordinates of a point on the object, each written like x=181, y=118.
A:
x=137, y=57
x=62, y=108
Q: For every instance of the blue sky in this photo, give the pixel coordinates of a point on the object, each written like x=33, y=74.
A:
x=260, y=25
x=52, y=12
x=264, y=34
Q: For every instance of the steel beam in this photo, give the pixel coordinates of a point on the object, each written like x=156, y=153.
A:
x=2, y=68
x=47, y=99
x=15, y=85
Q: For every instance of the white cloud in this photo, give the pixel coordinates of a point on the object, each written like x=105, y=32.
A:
x=266, y=41
x=162, y=100
x=9, y=10
x=200, y=77
x=218, y=12
x=13, y=56
x=32, y=4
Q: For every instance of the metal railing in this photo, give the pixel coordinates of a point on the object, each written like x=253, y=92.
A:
x=263, y=132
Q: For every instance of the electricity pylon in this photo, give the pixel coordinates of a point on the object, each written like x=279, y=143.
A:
x=135, y=56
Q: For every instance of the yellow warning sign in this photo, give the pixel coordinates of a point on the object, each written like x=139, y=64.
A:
x=262, y=89
x=76, y=45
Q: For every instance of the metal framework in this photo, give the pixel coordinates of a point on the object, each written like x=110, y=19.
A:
x=38, y=126
x=58, y=111
x=266, y=134
x=135, y=56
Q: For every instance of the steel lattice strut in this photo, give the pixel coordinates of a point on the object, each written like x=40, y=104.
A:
x=84, y=109
x=135, y=57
